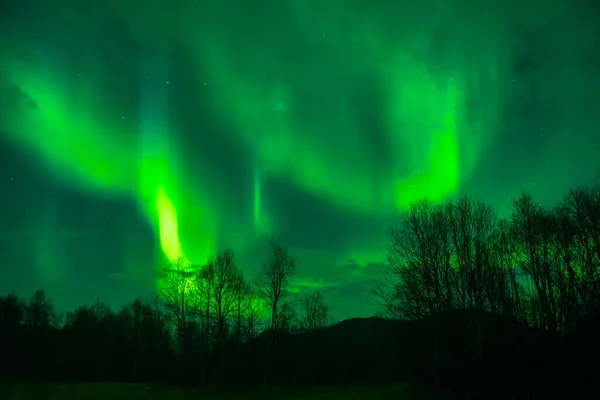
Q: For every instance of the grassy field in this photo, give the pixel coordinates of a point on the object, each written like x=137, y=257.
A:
x=109, y=390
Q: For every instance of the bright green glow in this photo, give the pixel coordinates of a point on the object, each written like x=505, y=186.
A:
x=378, y=123
x=291, y=147
x=62, y=128
x=358, y=107
x=167, y=217
x=98, y=151
x=431, y=150
x=441, y=177
x=183, y=277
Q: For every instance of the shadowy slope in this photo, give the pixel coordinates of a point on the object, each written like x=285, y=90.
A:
x=458, y=350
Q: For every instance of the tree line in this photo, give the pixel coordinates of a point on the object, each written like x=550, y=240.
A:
x=192, y=331
x=539, y=265
x=511, y=295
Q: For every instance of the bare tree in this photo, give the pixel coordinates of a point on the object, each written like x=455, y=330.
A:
x=254, y=308
x=416, y=282
x=242, y=292
x=177, y=291
x=578, y=280
x=388, y=295
x=58, y=321
x=287, y=315
x=251, y=320
x=222, y=277
x=472, y=225
x=533, y=228
x=272, y=284
x=315, y=313
x=203, y=301
x=39, y=311
x=11, y=311
x=504, y=290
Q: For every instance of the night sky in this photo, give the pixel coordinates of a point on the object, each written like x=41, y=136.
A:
x=132, y=131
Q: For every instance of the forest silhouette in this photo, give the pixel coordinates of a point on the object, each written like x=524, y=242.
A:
x=475, y=306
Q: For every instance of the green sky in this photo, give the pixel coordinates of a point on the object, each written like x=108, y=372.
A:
x=134, y=131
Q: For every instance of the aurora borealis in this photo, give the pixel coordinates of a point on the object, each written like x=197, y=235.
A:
x=131, y=131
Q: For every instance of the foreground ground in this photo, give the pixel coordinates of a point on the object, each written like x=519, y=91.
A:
x=93, y=391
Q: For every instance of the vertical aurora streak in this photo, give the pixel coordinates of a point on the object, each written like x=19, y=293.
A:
x=257, y=198
x=155, y=152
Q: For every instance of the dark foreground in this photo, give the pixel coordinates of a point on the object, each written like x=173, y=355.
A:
x=109, y=390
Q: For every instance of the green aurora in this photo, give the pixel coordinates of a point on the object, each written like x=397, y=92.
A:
x=193, y=111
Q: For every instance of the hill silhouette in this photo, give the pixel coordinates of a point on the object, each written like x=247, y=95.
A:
x=456, y=350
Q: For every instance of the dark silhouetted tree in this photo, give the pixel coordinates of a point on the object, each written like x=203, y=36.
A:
x=273, y=283
x=418, y=278
x=178, y=291
x=39, y=311
x=11, y=312
x=315, y=313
